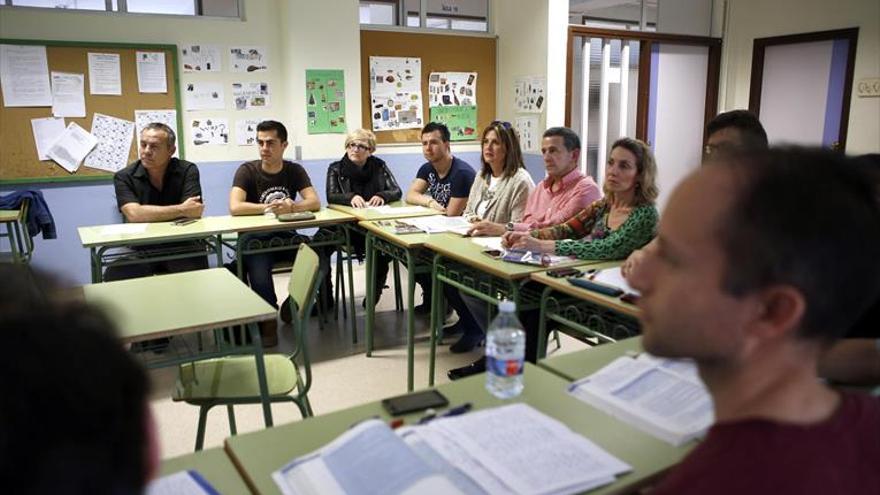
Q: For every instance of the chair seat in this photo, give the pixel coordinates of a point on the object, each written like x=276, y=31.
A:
x=233, y=377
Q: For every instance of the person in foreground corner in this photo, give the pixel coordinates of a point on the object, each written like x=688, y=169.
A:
x=360, y=179
x=753, y=278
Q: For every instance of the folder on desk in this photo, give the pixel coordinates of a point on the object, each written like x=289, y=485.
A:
x=468, y=454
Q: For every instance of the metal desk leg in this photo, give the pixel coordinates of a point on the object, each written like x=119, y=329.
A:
x=354, y=331
x=371, y=292
x=542, y=325
x=218, y=248
x=436, y=317
x=261, y=373
x=96, y=265
x=410, y=319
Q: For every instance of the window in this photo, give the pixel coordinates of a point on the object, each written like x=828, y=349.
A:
x=637, y=15
x=460, y=15
x=214, y=8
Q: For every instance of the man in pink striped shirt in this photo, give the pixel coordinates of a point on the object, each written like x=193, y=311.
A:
x=564, y=192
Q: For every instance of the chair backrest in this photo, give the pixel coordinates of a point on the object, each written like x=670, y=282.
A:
x=303, y=281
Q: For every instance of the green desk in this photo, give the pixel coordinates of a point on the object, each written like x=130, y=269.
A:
x=20, y=243
x=180, y=303
x=258, y=454
x=576, y=365
x=213, y=464
x=461, y=263
x=363, y=214
x=409, y=249
x=589, y=313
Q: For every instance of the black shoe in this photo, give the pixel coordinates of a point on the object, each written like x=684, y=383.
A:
x=452, y=330
x=477, y=366
x=378, y=296
x=467, y=343
x=284, y=312
x=424, y=308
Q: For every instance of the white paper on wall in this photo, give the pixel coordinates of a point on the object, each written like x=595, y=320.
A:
x=204, y=96
x=201, y=58
x=529, y=94
x=527, y=128
x=105, y=76
x=209, y=131
x=151, y=72
x=452, y=89
x=68, y=95
x=71, y=147
x=250, y=95
x=24, y=76
x=144, y=117
x=246, y=131
x=248, y=58
x=395, y=93
x=114, y=143
x=46, y=131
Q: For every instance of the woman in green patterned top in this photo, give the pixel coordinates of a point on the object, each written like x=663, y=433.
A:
x=612, y=227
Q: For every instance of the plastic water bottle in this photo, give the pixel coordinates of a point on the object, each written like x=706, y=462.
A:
x=505, y=353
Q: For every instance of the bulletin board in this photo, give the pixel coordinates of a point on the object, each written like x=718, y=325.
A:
x=19, y=162
x=439, y=53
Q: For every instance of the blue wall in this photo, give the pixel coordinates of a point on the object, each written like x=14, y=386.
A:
x=79, y=205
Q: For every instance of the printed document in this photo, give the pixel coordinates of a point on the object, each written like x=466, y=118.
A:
x=68, y=98
x=662, y=397
x=440, y=223
x=181, y=483
x=46, y=131
x=24, y=76
x=614, y=278
x=400, y=210
x=71, y=147
x=151, y=72
x=105, y=76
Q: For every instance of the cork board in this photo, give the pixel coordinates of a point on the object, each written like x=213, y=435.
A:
x=19, y=162
x=439, y=53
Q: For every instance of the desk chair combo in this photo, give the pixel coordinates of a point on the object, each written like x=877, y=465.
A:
x=20, y=243
x=233, y=380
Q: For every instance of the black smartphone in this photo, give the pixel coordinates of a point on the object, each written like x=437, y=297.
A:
x=495, y=253
x=564, y=273
x=183, y=221
x=418, y=401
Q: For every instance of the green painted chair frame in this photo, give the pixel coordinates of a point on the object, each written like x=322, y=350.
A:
x=233, y=380
x=21, y=245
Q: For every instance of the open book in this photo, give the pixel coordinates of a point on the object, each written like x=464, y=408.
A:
x=181, y=483
x=509, y=449
x=662, y=397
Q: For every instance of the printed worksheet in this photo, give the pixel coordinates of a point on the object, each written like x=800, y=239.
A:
x=248, y=58
x=204, y=96
x=71, y=147
x=201, y=58
x=24, y=76
x=105, y=75
x=250, y=95
x=151, y=72
x=209, y=131
x=68, y=98
x=114, y=143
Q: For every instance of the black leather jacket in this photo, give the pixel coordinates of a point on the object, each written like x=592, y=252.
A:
x=339, y=187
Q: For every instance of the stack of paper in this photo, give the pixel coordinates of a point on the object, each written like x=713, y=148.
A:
x=614, y=278
x=662, y=397
x=509, y=449
x=399, y=210
x=181, y=483
x=440, y=223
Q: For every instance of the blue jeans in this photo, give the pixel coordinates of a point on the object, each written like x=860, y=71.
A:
x=258, y=267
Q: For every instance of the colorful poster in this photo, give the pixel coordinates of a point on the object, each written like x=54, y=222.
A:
x=395, y=93
x=201, y=58
x=209, y=131
x=452, y=89
x=528, y=94
x=325, y=101
x=461, y=121
x=248, y=59
x=250, y=95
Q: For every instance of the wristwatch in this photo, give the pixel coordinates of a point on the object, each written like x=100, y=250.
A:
x=509, y=227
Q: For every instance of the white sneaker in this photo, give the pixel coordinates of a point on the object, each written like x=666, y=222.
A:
x=451, y=318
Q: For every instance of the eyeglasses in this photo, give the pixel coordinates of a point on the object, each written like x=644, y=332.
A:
x=501, y=123
x=358, y=146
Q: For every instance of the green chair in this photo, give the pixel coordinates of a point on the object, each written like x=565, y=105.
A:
x=233, y=380
x=21, y=245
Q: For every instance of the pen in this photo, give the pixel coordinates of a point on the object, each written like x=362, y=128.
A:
x=591, y=274
x=455, y=411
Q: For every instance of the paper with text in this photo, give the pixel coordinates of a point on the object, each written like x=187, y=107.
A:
x=24, y=76
x=439, y=223
x=105, y=76
x=114, y=143
x=181, y=483
x=68, y=95
x=71, y=147
x=46, y=131
x=151, y=72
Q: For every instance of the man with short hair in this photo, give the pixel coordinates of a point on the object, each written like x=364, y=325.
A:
x=444, y=182
x=564, y=192
x=733, y=131
x=270, y=185
x=156, y=188
x=753, y=278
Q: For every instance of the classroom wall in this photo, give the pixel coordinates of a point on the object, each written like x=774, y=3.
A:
x=750, y=19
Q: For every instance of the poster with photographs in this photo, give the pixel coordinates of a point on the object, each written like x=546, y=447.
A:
x=325, y=101
x=204, y=96
x=209, y=131
x=461, y=121
x=248, y=59
x=201, y=58
x=529, y=95
x=250, y=95
x=395, y=93
x=527, y=129
x=246, y=131
x=452, y=89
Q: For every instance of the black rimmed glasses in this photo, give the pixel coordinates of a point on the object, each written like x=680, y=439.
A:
x=358, y=147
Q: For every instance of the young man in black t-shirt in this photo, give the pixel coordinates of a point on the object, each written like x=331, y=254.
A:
x=270, y=185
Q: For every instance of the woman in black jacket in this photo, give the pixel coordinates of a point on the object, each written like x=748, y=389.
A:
x=360, y=180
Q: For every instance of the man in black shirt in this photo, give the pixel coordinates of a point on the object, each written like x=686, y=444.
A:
x=158, y=188
x=270, y=185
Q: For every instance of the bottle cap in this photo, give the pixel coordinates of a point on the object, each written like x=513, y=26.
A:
x=507, y=306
